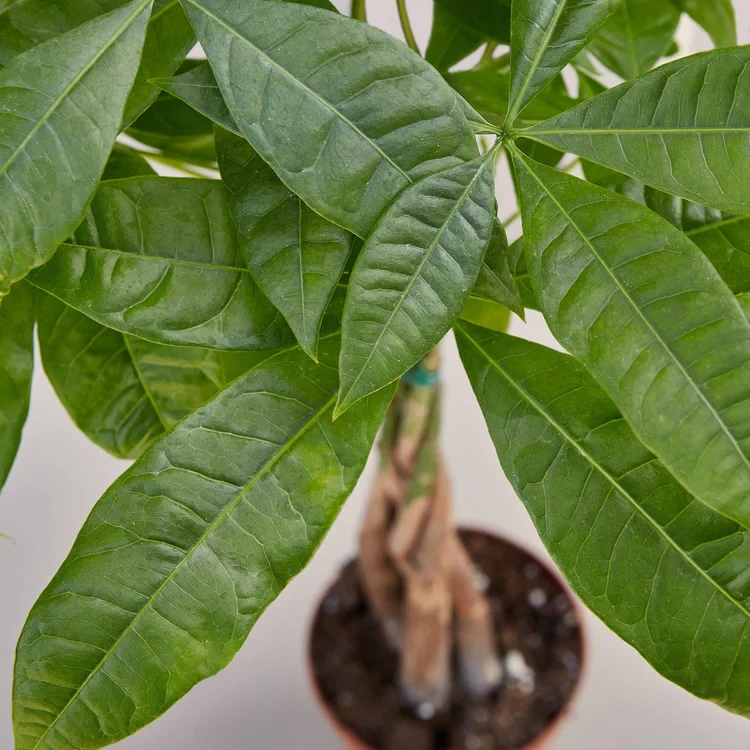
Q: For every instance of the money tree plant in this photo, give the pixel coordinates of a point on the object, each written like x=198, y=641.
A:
x=244, y=338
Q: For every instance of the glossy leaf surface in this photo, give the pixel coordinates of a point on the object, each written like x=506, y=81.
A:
x=16, y=370
x=491, y=18
x=638, y=34
x=634, y=300
x=667, y=574
x=59, y=117
x=26, y=23
x=414, y=276
x=169, y=38
x=682, y=128
x=724, y=238
x=717, y=17
x=295, y=255
x=349, y=116
x=547, y=35
x=726, y=242
x=186, y=550
x=451, y=40
x=486, y=88
x=123, y=391
x=126, y=162
x=176, y=129
x=495, y=281
x=161, y=258
x=197, y=87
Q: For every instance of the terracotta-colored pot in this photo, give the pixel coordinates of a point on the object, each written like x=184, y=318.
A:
x=541, y=742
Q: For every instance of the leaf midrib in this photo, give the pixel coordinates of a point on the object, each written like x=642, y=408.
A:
x=142, y=380
x=516, y=103
x=694, y=386
x=262, y=471
x=156, y=258
x=533, y=132
x=67, y=90
x=299, y=83
x=430, y=249
x=609, y=477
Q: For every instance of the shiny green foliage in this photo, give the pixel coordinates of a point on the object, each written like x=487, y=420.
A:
x=241, y=334
x=16, y=368
x=59, y=117
x=400, y=301
x=295, y=255
x=198, y=88
x=547, y=35
x=346, y=138
x=123, y=391
x=176, y=259
x=682, y=128
x=26, y=23
x=631, y=297
x=231, y=504
x=665, y=572
x=638, y=34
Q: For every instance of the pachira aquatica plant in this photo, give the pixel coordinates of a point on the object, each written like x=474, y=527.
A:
x=242, y=338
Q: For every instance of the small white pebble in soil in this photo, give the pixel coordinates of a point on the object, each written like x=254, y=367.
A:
x=474, y=743
x=519, y=672
x=426, y=711
x=561, y=603
x=331, y=605
x=481, y=716
x=570, y=619
x=537, y=598
x=531, y=570
x=482, y=579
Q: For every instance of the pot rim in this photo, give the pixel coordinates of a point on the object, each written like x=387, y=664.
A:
x=353, y=741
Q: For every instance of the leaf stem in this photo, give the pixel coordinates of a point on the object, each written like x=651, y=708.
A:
x=403, y=15
x=359, y=10
x=489, y=51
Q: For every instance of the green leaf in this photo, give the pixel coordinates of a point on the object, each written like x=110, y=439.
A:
x=161, y=258
x=198, y=88
x=517, y=264
x=295, y=255
x=644, y=310
x=682, y=128
x=667, y=574
x=186, y=550
x=638, y=34
x=495, y=281
x=726, y=242
x=744, y=300
x=451, y=40
x=414, y=275
x=177, y=130
x=26, y=23
x=349, y=116
x=546, y=36
x=724, y=238
x=485, y=313
x=491, y=18
x=16, y=369
x=715, y=16
x=59, y=117
x=486, y=88
x=168, y=39
x=123, y=391
x=126, y=162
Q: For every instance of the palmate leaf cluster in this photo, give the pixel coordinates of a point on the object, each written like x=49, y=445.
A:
x=242, y=337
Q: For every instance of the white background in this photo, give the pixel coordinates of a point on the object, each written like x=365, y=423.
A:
x=263, y=701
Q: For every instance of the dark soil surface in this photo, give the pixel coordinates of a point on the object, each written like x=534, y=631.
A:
x=537, y=632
